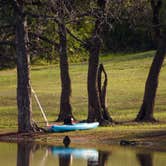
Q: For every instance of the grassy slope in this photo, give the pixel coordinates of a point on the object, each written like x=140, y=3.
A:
x=127, y=75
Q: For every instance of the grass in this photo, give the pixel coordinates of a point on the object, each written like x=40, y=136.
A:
x=126, y=73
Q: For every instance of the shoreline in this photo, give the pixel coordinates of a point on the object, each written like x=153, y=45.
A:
x=154, y=139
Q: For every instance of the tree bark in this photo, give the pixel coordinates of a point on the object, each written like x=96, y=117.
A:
x=94, y=105
x=147, y=108
x=65, y=105
x=103, y=92
x=23, y=72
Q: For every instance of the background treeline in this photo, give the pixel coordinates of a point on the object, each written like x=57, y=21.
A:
x=126, y=35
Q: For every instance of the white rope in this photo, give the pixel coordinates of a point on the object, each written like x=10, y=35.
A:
x=41, y=109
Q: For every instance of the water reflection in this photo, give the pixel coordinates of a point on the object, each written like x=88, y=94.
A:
x=66, y=155
x=145, y=159
x=101, y=160
x=24, y=154
x=29, y=154
x=65, y=160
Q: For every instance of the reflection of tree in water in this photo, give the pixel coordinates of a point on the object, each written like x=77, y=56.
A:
x=102, y=158
x=25, y=151
x=145, y=159
x=65, y=160
x=24, y=154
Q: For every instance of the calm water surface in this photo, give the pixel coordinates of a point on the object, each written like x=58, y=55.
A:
x=25, y=154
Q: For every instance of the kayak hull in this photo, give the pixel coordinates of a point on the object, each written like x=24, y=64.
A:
x=73, y=127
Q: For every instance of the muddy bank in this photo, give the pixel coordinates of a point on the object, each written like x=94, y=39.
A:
x=153, y=139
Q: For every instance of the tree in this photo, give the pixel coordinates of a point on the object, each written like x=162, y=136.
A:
x=25, y=123
x=22, y=43
x=23, y=71
x=59, y=8
x=17, y=21
x=65, y=105
x=94, y=45
x=147, y=108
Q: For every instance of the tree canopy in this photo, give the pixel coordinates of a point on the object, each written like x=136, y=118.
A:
x=128, y=28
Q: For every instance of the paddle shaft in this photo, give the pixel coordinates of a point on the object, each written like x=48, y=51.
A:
x=41, y=109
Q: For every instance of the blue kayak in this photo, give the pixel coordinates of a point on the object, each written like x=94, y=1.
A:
x=77, y=126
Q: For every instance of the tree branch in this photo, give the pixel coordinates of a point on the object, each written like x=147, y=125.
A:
x=6, y=26
x=40, y=16
x=11, y=43
x=78, y=17
x=45, y=39
x=75, y=37
x=37, y=3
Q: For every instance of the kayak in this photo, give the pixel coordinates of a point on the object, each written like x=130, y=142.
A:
x=73, y=127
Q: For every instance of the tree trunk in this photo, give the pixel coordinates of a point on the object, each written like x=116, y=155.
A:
x=94, y=106
x=65, y=106
x=147, y=108
x=94, y=102
x=103, y=92
x=23, y=73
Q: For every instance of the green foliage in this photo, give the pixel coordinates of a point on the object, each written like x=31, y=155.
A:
x=82, y=30
x=128, y=28
x=7, y=21
x=7, y=57
x=125, y=38
x=6, y=13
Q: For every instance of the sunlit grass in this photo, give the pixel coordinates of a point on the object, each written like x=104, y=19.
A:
x=126, y=79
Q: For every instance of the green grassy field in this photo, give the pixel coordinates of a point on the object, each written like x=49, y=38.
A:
x=126, y=73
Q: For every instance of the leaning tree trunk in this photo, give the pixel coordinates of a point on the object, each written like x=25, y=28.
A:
x=65, y=106
x=94, y=106
x=147, y=108
x=23, y=73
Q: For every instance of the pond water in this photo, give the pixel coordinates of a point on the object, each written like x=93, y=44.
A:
x=28, y=154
